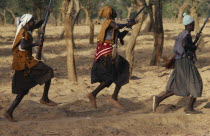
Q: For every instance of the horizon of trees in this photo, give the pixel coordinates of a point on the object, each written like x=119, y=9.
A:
x=20, y=7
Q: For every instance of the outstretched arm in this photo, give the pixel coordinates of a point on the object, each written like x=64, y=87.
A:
x=120, y=26
x=117, y=26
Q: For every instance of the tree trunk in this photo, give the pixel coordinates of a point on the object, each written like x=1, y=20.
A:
x=181, y=11
x=150, y=19
x=37, y=5
x=13, y=15
x=70, y=16
x=194, y=14
x=1, y=21
x=52, y=20
x=91, y=25
x=69, y=37
x=148, y=27
x=62, y=35
x=59, y=19
x=132, y=42
x=158, y=34
x=129, y=12
x=4, y=17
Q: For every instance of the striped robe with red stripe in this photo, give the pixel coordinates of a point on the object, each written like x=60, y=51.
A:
x=103, y=49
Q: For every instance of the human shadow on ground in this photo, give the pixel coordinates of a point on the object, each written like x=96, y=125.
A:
x=32, y=110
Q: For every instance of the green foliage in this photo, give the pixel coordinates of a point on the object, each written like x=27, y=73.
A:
x=93, y=5
x=169, y=10
x=20, y=7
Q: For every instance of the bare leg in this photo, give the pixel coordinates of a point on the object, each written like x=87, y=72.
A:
x=92, y=96
x=45, y=99
x=164, y=96
x=116, y=91
x=114, y=99
x=46, y=91
x=191, y=103
x=158, y=99
x=99, y=88
x=9, y=113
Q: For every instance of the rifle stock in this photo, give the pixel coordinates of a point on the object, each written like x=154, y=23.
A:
x=39, y=53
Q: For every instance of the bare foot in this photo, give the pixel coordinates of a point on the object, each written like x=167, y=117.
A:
x=9, y=117
x=155, y=104
x=92, y=100
x=116, y=104
x=48, y=103
x=192, y=111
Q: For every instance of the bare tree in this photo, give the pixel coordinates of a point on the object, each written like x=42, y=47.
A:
x=63, y=18
x=37, y=5
x=4, y=17
x=13, y=15
x=150, y=18
x=71, y=10
x=89, y=21
x=132, y=42
x=181, y=10
x=194, y=14
x=158, y=34
x=129, y=11
x=58, y=21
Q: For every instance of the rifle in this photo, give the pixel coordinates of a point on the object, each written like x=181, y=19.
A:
x=199, y=33
x=129, y=28
x=39, y=53
x=115, y=46
x=207, y=19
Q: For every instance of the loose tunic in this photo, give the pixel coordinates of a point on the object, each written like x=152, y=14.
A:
x=185, y=79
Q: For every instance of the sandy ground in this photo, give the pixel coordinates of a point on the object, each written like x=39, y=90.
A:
x=74, y=115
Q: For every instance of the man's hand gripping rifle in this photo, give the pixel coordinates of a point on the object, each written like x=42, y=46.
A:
x=199, y=33
x=133, y=20
x=128, y=28
x=39, y=53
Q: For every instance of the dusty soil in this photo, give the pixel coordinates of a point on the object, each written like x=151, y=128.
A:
x=74, y=115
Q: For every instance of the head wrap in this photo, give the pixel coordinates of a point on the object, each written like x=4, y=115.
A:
x=23, y=21
x=187, y=19
x=106, y=12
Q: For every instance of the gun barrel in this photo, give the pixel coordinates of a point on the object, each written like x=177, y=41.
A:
x=137, y=14
x=39, y=53
x=204, y=24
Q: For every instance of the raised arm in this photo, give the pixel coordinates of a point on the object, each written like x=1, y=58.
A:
x=38, y=24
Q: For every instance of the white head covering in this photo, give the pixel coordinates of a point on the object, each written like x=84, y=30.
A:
x=23, y=21
x=187, y=19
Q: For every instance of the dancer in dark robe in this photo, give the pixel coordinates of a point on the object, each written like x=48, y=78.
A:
x=28, y=71
x=108, y=67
